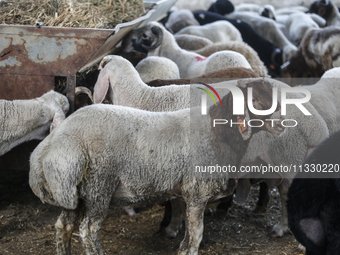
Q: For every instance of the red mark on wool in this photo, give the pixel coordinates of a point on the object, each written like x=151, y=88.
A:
x=198, y=58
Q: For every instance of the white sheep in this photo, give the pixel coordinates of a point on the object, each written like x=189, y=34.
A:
x=291, y=9
x=247, y=7
x=268, y=11
x=25, y=120
x=160, y=42
x=218, y=31
x=121, y=81
x=288, y=150
x=297, y=25
x=269, y=29
x=324, y=99
x=179, y=19
x=193, y=5
x=122, y=155
x=241, y=47
x=189, y=43
x=153, y=67
x=192, y=42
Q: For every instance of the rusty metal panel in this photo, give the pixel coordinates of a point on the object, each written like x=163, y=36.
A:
x=27, y=50
x=24, y=86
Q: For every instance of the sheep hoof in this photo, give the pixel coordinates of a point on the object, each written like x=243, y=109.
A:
x=279, y=230
x=170, y=233
x=260, y=210
x=301, y=247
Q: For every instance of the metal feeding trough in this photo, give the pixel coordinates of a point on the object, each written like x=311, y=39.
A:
x=33, y=58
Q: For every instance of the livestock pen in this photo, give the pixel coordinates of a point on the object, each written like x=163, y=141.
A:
x=27, y=225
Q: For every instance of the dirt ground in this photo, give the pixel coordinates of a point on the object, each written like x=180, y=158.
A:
x=27, y=227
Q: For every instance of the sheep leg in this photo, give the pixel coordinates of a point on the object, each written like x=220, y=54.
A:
x=194, y=230
x=166, y=218
x=90, y=233
x=64, y=228
x=94, y=215
x=282, y=227
x=176, y=220
x=261, y=206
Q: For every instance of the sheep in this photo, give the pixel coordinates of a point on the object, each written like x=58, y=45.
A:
x=221, y=7
x=291, y=9
x=179, y=19
x=325, y=94
x=160, y=42
x=318, y=52
x=289, y=149
x=192, y=42
x=218, y=31
x=268, y=53
x=125, y=155
x=248, y=52
x=193, y=5
x=247, y=7
x=268, y=11
x=228, y=73
x=269, y=29
x=25, y=120
x=324, y=98
x=313, y=200
x=327, y=10
x=241, y=47
x=153, y=67
x=297, y=25
x=121, y=82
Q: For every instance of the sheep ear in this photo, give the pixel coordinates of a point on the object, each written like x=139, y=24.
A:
x=101, y=88
x=243, y=127
x=104, y=61
x=57, y=119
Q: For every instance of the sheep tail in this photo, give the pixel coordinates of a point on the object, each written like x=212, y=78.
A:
x=55, y=179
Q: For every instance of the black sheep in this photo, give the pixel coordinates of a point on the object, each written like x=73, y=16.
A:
x=268, y=52
x=314, y=201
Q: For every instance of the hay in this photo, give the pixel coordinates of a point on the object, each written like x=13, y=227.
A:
x=67, y=13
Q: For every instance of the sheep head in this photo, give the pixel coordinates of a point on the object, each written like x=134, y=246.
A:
x=298, y=67
x=262, y=99
x=323, y=8
x=143, y=39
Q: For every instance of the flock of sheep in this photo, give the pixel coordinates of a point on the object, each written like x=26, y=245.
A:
x=145, y=132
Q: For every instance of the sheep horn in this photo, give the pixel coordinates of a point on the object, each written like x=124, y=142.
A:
x=159, y=33
x=84, y=90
